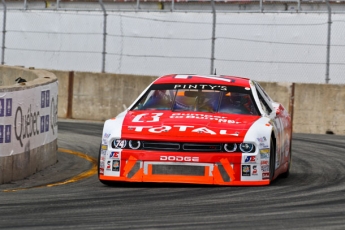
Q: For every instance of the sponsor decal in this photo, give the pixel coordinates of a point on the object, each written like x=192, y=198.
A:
x=8, y=107
x=30, y=116
x=42, y=124
x=199, y=86
x=264, y=162
x=108, y=165
x=102, y=159
x=54, y=113
x=263, y=145
x=1, y=134
x=245, y=170
x=181, y=128
x=29, y=123
x=179, y=158
x=101, y=165
x=154, y=117
x=101, y=171
x=255, y=170
x=265, y=175
x=264, y=150
x=46, y=129
x=104, y=141
x=2, y=107
x=250, y=159
x=265, y=168
x=106, y=135
x=114, y=155
x=103, y=151
x=116, y=166
x=45, y=98
x=104, y=147
x=262, y=139
x=7, y=133
x=264, y=153
x=220, y=119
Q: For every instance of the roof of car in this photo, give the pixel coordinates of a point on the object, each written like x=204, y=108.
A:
x=205, y=79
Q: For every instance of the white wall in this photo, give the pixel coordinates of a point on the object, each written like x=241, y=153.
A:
x=263, y=46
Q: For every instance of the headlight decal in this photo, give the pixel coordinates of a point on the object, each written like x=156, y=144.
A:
x=134, y=144
x=246, y=147
x=230, y=147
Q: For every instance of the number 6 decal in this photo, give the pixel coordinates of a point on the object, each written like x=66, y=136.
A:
x=155, y=117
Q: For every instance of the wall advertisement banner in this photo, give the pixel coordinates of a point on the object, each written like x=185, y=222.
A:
x=28, y=118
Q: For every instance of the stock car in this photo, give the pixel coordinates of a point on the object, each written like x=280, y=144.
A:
x=215, y=129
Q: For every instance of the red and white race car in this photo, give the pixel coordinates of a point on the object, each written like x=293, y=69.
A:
x=197, y=129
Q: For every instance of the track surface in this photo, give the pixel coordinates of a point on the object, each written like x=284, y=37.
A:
x=313, y=197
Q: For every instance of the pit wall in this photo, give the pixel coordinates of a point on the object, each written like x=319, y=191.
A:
x=315, y=108
x=28, y=122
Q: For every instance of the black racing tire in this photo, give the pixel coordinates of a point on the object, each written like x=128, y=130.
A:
x=99, y=160
x=107, y=183
x=287, y=173
x=272, y=159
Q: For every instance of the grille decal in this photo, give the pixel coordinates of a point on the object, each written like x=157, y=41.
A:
x=178, y=170
x=188, y=147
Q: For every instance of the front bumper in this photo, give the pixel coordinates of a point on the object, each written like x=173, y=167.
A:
x=198, y=168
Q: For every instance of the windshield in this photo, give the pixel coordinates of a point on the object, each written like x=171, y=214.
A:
x=200, y=98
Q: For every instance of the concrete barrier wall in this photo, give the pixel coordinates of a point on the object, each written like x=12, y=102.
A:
x=28, y=122
x=97, y=96
x=319, y=108
x=9, y=75
x=316, y=108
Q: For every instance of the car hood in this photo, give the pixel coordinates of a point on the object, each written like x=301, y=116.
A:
x=185, y=126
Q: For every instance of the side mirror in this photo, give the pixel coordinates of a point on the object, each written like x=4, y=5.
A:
x=278, y=111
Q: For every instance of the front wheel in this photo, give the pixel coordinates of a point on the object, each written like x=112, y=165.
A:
x=287, y=173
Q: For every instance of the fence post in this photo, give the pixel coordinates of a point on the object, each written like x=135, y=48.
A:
x=104, y=34
x=172, y=5
x=328, y=40
x=213, y=35
x=3, y=33
x=138, y=4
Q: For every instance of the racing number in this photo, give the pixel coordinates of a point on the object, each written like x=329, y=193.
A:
x=120, y=144
x=155, y=117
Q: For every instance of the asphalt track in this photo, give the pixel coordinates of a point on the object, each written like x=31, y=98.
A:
x=313, y=197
